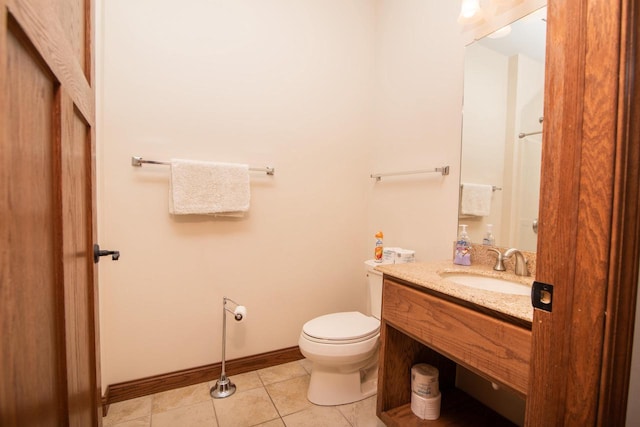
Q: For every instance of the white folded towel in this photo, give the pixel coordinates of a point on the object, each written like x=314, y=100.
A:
x=476, y=199
x=208, y=188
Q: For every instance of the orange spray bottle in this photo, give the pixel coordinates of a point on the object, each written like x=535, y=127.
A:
x=377, y=254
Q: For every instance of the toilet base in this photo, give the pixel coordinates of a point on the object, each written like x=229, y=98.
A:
x=330, y=387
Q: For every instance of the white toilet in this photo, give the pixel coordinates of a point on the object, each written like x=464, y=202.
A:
x=343, y=348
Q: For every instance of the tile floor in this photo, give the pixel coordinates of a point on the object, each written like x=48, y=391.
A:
x=271, y=397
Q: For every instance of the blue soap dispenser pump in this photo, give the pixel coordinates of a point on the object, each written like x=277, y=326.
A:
x=463, y=247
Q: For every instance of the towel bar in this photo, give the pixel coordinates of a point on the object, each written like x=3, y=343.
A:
x=523, y=134
x=137, y=161
x=493, y=188
x=444, y=170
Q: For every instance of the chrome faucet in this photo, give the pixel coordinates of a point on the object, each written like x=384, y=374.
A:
x=521, y=262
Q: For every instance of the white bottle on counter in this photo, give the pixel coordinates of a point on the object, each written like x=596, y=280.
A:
x=488, y=238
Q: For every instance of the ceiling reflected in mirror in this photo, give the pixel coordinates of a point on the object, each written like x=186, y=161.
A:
x=524, y=37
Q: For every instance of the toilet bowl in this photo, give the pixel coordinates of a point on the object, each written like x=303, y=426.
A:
x=343, y=349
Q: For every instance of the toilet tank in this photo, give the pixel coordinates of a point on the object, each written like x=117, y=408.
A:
x=374, y=288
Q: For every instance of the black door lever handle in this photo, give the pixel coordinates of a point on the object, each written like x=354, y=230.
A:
x=97, y=253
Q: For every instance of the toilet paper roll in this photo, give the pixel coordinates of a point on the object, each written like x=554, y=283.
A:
x=404, y=256
x=240, y=313
x=426, y=408
x=404, y=253
x=389, y=254
x=424, y=380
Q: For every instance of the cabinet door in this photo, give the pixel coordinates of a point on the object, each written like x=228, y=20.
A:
x=496, y=349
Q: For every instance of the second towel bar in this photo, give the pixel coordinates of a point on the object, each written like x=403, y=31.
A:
x=525, y=134
x=138, y=161
x=493, y=188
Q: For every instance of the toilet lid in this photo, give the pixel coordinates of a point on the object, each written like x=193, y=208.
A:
x=346, y=326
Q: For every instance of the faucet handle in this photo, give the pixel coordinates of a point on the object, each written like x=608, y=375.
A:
x=499, y=261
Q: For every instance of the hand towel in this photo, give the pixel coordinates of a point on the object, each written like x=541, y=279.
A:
x=208, y=188
x=476, y=199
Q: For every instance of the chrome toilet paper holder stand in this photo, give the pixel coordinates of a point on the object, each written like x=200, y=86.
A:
x=224, y=387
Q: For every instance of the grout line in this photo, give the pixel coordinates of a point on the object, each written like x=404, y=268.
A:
x=215, y=413
x=272, y=402
x=153, y=399
x=268, y=421
x=308, y=371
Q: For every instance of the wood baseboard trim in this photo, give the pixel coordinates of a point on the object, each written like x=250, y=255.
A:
x=163, y=382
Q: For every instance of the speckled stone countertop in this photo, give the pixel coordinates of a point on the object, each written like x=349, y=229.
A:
x=427, y=274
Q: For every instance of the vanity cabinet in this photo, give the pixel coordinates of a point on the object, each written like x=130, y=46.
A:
x=419, y=326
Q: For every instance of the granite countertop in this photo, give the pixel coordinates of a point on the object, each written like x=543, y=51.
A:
x=427, y=274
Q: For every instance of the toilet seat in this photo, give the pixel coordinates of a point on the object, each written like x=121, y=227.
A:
x=341, y=328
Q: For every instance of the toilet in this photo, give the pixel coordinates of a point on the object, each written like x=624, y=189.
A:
x=343, y=349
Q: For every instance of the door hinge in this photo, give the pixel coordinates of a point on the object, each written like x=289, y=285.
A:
x=542, y=296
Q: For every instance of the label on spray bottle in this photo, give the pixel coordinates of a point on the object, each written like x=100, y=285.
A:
x=377, y=253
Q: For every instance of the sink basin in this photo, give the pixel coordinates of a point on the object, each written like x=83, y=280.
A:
x=488, y=283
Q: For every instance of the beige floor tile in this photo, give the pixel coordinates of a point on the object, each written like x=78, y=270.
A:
x=140, y=422
x=253, y=405
x=178, y=397
x=198, y=415
x=243, y=382
x=362, y=413
x=128, y=410
x=282, y=372
x=290, y=396
x=245, y=408
x=317, y=416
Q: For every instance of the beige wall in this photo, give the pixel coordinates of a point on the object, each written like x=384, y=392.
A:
x=326, y=91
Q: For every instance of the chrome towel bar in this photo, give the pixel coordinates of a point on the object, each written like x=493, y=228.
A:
x=493, y=188
x=444, y=170
x=525, y=134
x=137, y=161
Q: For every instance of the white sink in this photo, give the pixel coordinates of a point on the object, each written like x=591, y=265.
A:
x=488, y=283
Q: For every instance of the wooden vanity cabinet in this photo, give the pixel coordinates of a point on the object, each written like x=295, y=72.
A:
x=421, y=327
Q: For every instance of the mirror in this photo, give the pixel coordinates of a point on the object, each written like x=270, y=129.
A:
x=502, y=133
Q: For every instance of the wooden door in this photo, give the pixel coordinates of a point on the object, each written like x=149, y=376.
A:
x=48, y=292
x=589, y=228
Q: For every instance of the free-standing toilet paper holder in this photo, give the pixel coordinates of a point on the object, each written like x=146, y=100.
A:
x=224, y=387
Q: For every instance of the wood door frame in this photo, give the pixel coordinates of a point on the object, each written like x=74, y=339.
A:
x=589, y=218
x=625, y=240
x=71, y=66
